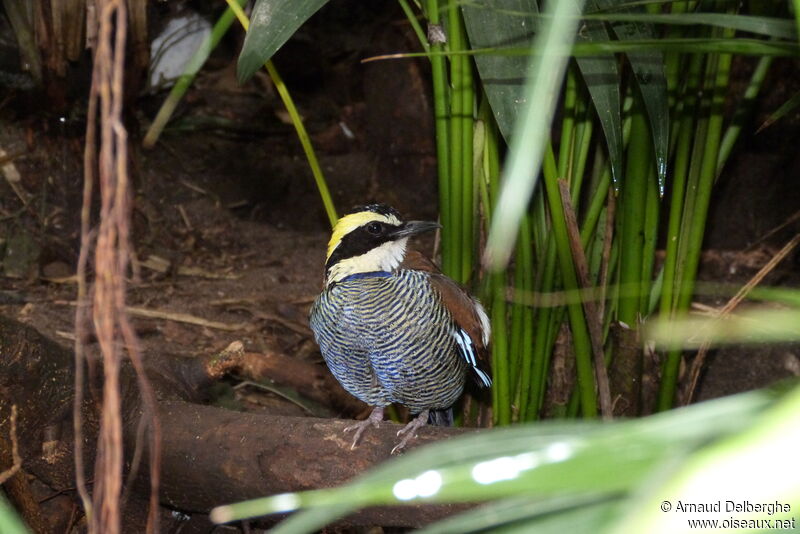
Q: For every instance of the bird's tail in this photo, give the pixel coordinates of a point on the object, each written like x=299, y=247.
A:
x=441, y=417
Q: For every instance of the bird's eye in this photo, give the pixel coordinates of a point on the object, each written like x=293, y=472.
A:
x=374, y=228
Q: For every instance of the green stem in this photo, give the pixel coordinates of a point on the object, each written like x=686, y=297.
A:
x=516, y=312
x=541, y=231
x=527, y=313
x=680, y=173
x=580, y=332
x=297, y=121
x=719, y=71
x=468, y=187
x=501, y=390
x=458, y=80
x=541, y=349
x=651, y=218
x=583, y=138
x=440, y=107
x=305, y=140
x=490, y=187
x=632, y=216
x=522, y=316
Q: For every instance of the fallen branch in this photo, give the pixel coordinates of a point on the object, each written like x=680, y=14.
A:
x=210, y=456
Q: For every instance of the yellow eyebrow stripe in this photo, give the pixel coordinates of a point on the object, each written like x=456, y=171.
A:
x=348, y=223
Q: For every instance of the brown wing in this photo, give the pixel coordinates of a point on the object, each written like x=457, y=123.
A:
x=469, y=315
x=416, y=261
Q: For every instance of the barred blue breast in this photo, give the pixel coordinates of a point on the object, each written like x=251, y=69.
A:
x=387, y=337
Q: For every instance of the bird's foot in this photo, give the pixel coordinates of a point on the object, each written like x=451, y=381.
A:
x=409, y=431
x=374, y=418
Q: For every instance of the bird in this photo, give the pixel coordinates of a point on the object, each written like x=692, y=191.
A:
x=391, y=327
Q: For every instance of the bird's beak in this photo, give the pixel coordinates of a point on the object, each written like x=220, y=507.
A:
x=415, y=227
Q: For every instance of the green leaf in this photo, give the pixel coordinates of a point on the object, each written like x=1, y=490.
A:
x=271, y=25
x=765, y=450
x=601, y=75
x=501, y=24
x=648, y=69
x=512, y=23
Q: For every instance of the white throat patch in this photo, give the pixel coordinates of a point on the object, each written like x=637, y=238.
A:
x=386, y=257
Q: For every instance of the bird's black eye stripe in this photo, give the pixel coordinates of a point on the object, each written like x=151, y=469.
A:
x=361, y=240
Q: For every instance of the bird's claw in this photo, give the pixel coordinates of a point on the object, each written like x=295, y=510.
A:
x=373, y=420
x=410, y=431
x=360, y=427
x=402, y=445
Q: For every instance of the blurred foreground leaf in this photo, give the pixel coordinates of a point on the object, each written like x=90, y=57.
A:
x=751, y=326
x=570, y=468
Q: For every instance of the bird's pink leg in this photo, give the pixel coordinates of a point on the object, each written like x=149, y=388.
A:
x=374, y=418
x=410, y=430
